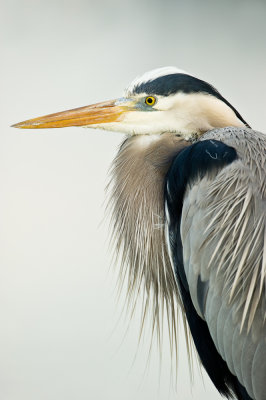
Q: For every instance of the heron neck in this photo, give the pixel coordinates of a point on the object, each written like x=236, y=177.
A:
x=137, y=208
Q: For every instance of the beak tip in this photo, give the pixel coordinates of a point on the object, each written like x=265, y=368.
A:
x=19, y=125
x=24, y=125
x=15, y=126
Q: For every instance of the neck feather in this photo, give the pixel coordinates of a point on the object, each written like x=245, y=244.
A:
x=137, y=215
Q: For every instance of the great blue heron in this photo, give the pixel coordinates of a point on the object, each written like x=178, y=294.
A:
x=189, y=214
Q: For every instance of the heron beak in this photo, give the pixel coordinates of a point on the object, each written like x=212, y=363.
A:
x=100, y=113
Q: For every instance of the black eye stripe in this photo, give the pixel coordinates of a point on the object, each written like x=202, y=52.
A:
x=180, y=82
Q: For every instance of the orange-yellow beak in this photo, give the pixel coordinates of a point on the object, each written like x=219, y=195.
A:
x=94, y=114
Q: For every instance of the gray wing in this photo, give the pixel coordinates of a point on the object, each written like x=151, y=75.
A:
x=223, y=232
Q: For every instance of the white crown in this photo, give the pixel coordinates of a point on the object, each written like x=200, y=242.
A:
x=153, y=74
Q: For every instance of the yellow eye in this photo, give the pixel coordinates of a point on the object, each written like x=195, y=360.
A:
x=150, y=100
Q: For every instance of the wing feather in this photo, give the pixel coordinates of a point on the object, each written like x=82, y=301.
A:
x=223, y=227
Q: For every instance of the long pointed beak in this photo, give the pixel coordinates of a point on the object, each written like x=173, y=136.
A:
x=94, y=114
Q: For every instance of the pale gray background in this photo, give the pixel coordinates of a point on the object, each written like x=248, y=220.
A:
x=60, y=333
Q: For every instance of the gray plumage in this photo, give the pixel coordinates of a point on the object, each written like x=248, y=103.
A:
x=223, y=237
x=223, y=234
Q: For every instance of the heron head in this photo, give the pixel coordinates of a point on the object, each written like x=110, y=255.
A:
x=162, y=100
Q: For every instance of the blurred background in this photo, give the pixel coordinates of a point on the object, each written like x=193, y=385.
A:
x=63, y=335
